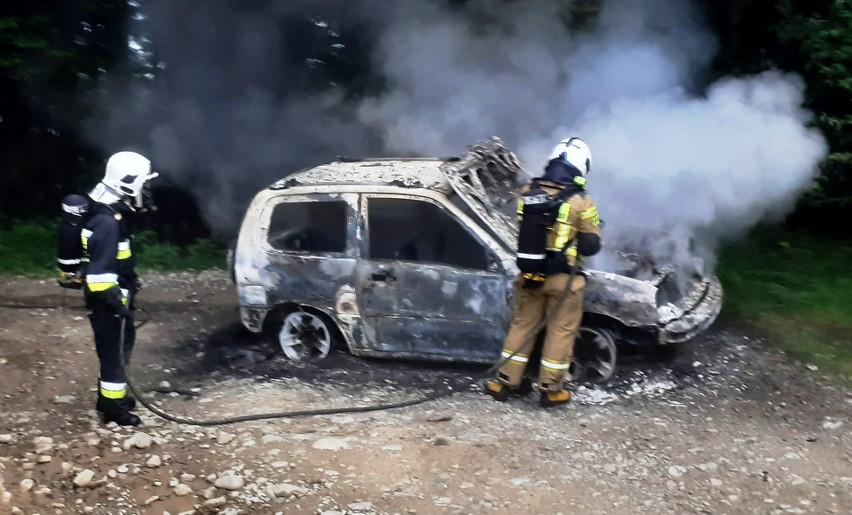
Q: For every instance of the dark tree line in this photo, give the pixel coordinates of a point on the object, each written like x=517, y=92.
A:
x=55, y=54
x=52, y=56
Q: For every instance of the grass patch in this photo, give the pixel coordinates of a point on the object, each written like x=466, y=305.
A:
x=28, y=248
x=202, y=254
x=796, y=290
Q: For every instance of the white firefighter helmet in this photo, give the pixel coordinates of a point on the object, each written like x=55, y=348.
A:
x=126, y=175
x=575, y=153
x=127, y=172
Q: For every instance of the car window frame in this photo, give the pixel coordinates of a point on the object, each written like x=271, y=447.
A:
x=495, y=264
x=265, y=219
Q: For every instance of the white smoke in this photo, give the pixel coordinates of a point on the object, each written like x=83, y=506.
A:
x=676, y=165
x=675, y=169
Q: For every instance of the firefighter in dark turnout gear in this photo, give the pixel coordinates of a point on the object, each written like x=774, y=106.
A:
x=111, y=281
x=559, y=227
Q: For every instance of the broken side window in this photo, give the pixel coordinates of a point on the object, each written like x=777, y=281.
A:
x=309, y=226
x=413, y=230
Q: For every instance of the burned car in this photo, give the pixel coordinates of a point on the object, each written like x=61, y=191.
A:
x=414, y=259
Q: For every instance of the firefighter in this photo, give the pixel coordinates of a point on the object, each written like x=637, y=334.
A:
x=559, y=226
x=111, y=281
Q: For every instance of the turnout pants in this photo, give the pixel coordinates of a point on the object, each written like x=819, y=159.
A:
x=106, y=324
x=564, y=314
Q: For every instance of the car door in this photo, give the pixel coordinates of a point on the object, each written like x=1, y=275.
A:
x=309, y=244
x=428, y=284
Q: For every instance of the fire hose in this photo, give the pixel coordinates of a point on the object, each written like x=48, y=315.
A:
x=322, y=411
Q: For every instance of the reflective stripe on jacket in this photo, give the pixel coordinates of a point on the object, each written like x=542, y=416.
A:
x=107, y=247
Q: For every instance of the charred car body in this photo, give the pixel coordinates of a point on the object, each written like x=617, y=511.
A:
x=414, y=258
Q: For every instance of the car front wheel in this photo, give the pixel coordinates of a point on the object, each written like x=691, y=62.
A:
x=304, y=336
x=595, y=356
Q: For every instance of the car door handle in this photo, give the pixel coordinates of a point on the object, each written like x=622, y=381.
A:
x=382, y=276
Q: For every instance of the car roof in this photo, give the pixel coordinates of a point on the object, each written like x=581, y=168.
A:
x=407, y=173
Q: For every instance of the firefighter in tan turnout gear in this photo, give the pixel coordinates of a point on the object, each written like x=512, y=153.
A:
x=559, y=226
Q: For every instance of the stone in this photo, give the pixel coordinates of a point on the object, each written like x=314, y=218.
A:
x=676, y=471
x=154, y=461
x=63, y=399
x=26, y=485
x=151, y=500
x=286, y=490
x=229, y=482
x=223, y=438
x=139, y=440
x=268, y=439
x=7, y=438
x=331, y=444
x=360, y=506
x=43, y=444
x=122, y=469
x=392, y=447
x=832, y=424
x=45, y=459
x=215, y=502
x=84, y=478
x=182, y=489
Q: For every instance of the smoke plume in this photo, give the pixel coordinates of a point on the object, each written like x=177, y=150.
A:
x=677, y=164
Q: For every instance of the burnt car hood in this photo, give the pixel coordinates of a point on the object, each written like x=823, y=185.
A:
x=487, y=179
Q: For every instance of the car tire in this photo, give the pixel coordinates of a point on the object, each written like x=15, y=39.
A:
x=302, y=334
x=595, y=356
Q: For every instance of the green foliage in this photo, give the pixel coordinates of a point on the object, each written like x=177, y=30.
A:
x=823, y=37
x=202, y=254
x=834, y=186
x=827, y=41
x=28, y=248
x=796, y=289
x=23, y=43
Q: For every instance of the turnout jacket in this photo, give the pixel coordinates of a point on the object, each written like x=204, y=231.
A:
x=106, y=240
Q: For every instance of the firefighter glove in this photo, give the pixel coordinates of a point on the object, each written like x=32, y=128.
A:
x=117, y=300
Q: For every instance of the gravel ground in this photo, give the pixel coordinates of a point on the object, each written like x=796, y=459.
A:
x=722, y=426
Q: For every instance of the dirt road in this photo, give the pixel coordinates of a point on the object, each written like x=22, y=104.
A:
x=724, y=426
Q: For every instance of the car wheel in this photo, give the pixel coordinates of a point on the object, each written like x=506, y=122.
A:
x=305, y=336
x=595, y=356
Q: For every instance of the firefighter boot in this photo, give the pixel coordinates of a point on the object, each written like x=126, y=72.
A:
x=117, y=410
x=501, y=391
x=550, y=399
x=128, y=400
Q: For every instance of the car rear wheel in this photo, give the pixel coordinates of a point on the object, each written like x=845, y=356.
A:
x=595, y=356
x=305, y=336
